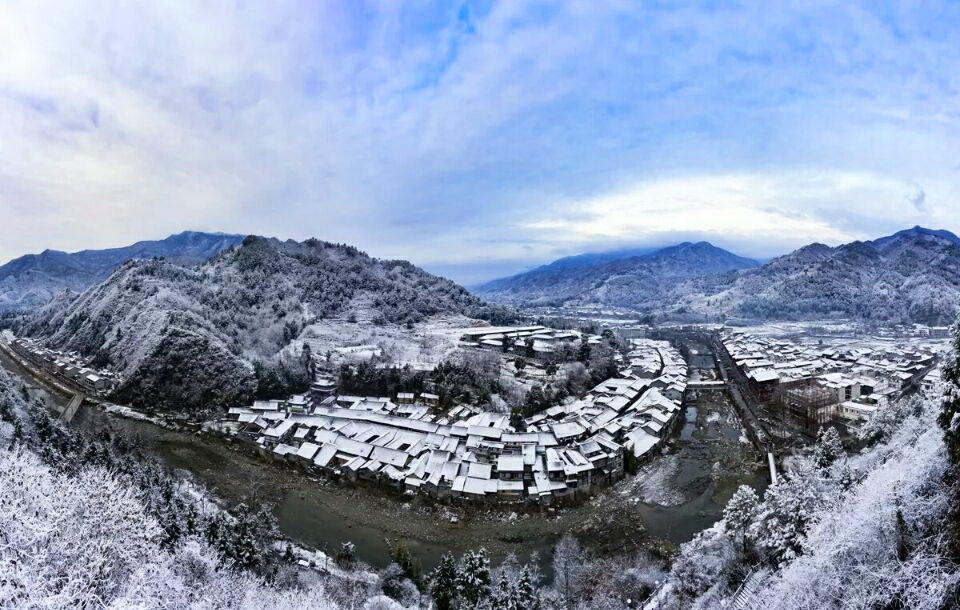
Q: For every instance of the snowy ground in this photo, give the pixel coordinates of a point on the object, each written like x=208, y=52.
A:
x=656, y=483
x=422, y=347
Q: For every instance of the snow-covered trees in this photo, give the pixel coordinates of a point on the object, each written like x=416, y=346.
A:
x=90, y=522
x=839, y=531
x=568, y=565
x=87, y=541
x=470, y=583
x=881, y=544
x=949, y=421
x=787, y=510
x=473, y=578
x=949, y=417
x=516, y=593
x=828, y=448
x=741, y=509
x=443, y=582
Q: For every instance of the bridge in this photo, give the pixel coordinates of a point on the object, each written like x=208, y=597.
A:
x=70, y=410
x=717, y=385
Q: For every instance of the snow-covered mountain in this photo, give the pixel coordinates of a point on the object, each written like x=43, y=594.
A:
x=910, y=276
x=35, y=279
x=185, y=337
x=621, y=278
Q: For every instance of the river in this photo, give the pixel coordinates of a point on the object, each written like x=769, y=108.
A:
x=323, y=514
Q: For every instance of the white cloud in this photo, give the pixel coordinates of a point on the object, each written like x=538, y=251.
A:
x=413, y=132
x=775, y=211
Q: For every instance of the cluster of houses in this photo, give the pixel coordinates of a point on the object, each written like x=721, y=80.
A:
x=857, y=375
x=532, y=340
x=66, y=366
x=914, y=330
x=470, y=455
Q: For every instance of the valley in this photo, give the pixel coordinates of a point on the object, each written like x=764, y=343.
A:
x=672, y=498
x=479, y=305
x=366, y=406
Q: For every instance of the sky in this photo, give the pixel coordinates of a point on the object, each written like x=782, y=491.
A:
x=478, y=139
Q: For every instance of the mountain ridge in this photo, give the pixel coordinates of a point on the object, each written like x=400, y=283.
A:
x=685, y=259
x=32, y=280
x=912, y=275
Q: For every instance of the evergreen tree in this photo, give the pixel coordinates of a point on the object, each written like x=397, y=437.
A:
x=828, y=448
x=443, y=583
x=583, y=354
x=526, y=595
x=503, y=595
x=631, y=464
x=402, y=557
x=741, y=509
x=346, y=554
x=473, y=579
x=516, y=420
x=786, y=514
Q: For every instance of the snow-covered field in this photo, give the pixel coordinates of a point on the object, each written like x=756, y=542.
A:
x=422, y=347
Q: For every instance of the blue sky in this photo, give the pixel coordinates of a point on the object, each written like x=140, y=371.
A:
x=478, y=139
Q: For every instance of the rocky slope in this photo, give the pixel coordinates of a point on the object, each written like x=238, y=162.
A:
x=185, y=337
x=34, y=279
x=634, y=280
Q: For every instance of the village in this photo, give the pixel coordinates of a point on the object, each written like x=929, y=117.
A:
x=563, y=453
x=465, y=453
x=69, y=368
x=822, y=380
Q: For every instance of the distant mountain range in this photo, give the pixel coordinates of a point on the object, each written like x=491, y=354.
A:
x=35, y=279
x=910, y=276
x=624, y=277
x=186, y=337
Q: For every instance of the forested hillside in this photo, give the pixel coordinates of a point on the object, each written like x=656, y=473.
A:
x=912, y=276
x=186, y=338
x=93, y=522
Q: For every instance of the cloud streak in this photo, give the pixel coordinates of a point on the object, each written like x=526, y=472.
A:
x=482, y=135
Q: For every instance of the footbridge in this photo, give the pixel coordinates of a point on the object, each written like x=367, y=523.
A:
x=717, y=385
x=70, y=410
